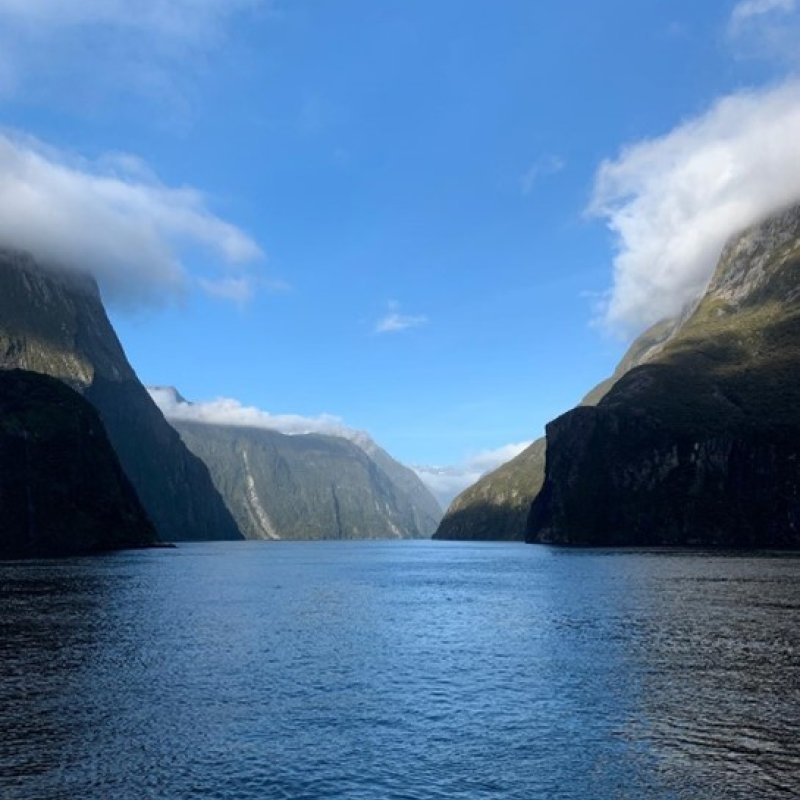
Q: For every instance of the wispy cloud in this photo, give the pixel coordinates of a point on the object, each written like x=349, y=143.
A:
x=546, y=165
x=178, y=18
x=395, y=322
x=766, y=30
x=747, y=9
x=237, y=290
x=242, y=288
x=673, y=201
x=447, y=482
x=113, y=218
x=47, y=45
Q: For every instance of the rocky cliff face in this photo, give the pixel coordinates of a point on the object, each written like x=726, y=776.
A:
x=54, y=323
x=62, y=489
x=701, y=444
x=497, y=506
x=309, y=486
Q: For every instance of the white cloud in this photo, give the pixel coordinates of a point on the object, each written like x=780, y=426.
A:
x=544, y=166
x=112, y=218
x=488, y=460
x=227, y=411
x=767, y=30
x=51, y=45
x=395, y=322
x=238, y=290
x=673, y=201
x=179, y=18
x=748, y=9
x=447, y=482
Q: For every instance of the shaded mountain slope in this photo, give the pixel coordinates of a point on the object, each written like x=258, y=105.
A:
x=62, y=489
x=496, y=507
x=700, y=445
x=54, y=323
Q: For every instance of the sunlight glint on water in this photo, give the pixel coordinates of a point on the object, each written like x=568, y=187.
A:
x=400, y=670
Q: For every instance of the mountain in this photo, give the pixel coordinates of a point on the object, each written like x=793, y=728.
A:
x=53, y=322
x=496, y=507
x=311, y=486
x=425, y=509
x=62, y=489
x=700, y=445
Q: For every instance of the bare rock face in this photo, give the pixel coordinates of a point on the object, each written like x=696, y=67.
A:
x=53, y=322
x=62, y=489
x=701, y=444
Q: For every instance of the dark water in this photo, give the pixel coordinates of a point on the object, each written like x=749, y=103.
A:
x=400, y=670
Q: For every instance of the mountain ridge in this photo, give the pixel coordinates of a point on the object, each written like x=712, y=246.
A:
x=52, y=322
x=308, y=486
x=497, y=506
x=699, y=445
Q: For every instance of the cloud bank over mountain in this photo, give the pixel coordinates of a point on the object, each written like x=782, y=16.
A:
x=227, y=411
x=673, y=201
x=445, y=482
x=115, y=219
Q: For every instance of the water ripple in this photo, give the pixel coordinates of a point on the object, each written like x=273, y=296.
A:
x=400, y=671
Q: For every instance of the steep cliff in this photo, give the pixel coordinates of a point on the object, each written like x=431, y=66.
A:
x=62, y=489
x=53, y=322
x=309, y=486
x=426, y=513
x=497, y=506
x=700, y=445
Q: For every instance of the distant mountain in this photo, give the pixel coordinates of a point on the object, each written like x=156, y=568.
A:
x=62, y=489
x=496, y=507
x=425, y=508
x=700, y=444
x=311, y=486
x=53, y=322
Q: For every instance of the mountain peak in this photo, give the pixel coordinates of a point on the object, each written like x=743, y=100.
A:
x=52, y=321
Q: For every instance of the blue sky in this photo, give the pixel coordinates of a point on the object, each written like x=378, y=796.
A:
x=395, y=213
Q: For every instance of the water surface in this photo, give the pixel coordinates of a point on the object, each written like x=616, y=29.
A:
x=400, y=670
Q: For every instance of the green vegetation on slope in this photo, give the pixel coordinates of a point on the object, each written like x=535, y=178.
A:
x=701, y=445
x=497, y=506
x=308, y=486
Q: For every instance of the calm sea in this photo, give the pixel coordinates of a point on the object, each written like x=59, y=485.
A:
x=402, y=670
